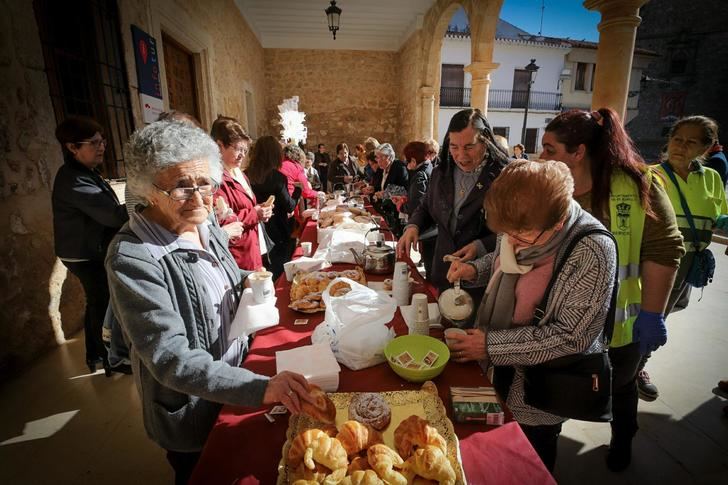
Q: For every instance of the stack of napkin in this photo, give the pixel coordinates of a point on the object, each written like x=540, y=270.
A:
x=315, y=362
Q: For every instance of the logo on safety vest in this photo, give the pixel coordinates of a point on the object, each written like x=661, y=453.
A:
x=623, y=216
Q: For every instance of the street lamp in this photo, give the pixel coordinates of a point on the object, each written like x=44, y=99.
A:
x=532, y=69
x=333, y=14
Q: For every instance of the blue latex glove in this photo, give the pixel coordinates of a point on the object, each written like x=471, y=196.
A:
x=722, y=223
x=649, y=330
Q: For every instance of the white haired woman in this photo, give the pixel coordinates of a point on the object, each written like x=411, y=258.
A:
x=175, y=288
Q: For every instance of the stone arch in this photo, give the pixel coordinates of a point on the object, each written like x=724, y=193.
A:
x=483, y=19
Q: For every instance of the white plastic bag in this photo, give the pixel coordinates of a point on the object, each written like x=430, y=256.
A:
x=338, y=243
x=355, y=325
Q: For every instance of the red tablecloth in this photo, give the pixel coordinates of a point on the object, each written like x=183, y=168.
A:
x=243, y=447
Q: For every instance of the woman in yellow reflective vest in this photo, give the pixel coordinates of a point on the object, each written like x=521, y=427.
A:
x=613, y=183
x=689, y=141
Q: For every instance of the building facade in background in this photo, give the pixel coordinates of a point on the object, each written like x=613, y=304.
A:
x=565, y=80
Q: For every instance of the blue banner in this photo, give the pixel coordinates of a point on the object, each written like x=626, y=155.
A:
x=147, y=63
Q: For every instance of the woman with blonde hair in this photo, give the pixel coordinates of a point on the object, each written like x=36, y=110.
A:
x=534, y=234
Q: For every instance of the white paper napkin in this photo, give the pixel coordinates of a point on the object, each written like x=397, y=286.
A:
x=252, y=316
x=315, y=362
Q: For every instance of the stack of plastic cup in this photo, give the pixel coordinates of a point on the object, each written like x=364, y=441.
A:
x=421, y=323
x=400, y=283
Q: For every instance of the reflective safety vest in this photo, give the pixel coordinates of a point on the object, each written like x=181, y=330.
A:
x=627, y=223
x=705, y=195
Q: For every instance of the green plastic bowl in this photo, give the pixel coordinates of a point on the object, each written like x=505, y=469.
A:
x=417, y=346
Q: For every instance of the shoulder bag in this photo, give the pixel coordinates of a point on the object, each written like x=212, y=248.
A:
x=574, y=386
x=702, y=268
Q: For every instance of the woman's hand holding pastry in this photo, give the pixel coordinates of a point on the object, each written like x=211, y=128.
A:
x=289, y=389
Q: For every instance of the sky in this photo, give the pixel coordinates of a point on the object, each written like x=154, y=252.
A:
x=561, y=18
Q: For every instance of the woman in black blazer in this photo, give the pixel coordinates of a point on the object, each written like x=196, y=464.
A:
x=86, y=215
x=265, y=179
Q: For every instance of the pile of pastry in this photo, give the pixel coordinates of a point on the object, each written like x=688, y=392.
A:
x=307, y=288
x=355, y=453
x=342, y=214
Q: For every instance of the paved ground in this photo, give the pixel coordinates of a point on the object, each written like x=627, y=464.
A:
x=60, y=425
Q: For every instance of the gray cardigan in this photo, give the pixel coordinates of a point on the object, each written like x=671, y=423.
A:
x=176, y=355
x=574, y=316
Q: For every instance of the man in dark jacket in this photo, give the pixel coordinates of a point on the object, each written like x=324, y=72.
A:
x=470, y=161
x=717, y=161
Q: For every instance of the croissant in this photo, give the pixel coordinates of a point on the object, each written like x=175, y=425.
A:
x=303, y=474
x=326, y=451
x=368, y=477
x=322, y=409
x=415, y=432
x=356, y=436
x=359, y=463
x=430, y=462
x=383, y=460
x=335, y=477
x=300, y=444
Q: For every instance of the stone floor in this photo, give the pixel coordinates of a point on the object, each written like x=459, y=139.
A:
x=60, y=425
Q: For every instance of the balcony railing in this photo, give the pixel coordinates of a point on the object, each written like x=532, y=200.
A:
x=457, y=97
x=502, y=99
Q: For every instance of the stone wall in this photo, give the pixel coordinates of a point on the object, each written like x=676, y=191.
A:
x=692, y=29
x=346, y=95
x=233, y=58
x=39, y=306
x=409, y=62
x=30, y=277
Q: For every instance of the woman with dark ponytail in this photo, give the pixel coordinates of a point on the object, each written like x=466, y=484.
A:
x=613, y=183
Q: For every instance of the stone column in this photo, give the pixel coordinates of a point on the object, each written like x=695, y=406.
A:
x=617, y=32
x=427, y=123
x=480, y=84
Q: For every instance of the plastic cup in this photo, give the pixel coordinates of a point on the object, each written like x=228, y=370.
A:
x=261, y=282
x=306, y=246
x=452, y=331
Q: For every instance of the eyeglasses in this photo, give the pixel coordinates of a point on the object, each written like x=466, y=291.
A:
x=529, y=243
x=243, y=150
x=94, y=143
x=186, y=193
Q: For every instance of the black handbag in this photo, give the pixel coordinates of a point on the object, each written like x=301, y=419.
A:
x=702, y=268
x=574, y=386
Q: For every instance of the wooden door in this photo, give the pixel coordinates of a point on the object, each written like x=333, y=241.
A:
x=452, y=85
x=181, y=86
x=531, y=138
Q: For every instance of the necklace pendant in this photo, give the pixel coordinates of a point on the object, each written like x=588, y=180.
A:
x=462, y=192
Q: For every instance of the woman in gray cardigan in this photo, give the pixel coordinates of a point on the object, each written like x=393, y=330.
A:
x=533, y=234
x=175, y=288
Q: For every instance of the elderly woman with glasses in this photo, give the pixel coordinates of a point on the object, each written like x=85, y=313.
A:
x=533, y=233
x=175, y=289
x=86, y=215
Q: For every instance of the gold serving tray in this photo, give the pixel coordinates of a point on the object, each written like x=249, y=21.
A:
x=425, y=403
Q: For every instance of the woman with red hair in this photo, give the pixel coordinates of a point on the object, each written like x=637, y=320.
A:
x=613, y=183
